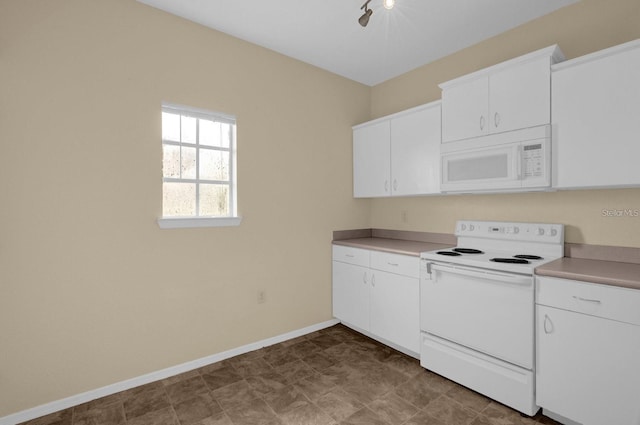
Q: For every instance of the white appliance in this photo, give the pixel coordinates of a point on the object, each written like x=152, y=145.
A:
x=477, y=307
x=512, y=161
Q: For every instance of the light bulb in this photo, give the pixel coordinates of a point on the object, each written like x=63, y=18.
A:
x=364, y=19
x=388, y=4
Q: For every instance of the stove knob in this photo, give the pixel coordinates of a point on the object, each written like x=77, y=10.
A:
x=463, y=227
x=516, y=230
x=540, y=231
x=554, y=232
x=471, y=227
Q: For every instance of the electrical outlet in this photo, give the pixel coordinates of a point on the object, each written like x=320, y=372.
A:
x=404, y=216
x=262, y=297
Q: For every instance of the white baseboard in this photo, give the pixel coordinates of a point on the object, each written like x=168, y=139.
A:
x=68, y=402
x=559, y=418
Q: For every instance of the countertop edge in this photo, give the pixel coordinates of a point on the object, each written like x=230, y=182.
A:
x=624, y=275
x=591, y=279
x=402, y=235
x=392, y=246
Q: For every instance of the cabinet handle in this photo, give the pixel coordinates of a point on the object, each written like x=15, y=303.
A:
x=587, y=300
x=373, y=280
x=519, y=162
x=496, y=119
x=364, y=278
x=393, y=264
x=395, y=184
x=548, y=325
x=386, y=185
x=481, y=122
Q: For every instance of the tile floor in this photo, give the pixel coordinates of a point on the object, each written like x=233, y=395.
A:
x=330, y=377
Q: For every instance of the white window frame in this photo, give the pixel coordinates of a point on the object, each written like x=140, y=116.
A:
x=233, y=219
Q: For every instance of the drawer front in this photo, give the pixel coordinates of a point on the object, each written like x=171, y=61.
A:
x=609, y=302
x=395, y=263
x=346, y=254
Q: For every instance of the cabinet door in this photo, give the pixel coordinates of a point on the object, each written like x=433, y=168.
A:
x=587, y=367
x=520, y=96
x=351, y=294
x=596, y=105
x=395, y=309
x=415, y=153
x=371, y=162
x=465, y=110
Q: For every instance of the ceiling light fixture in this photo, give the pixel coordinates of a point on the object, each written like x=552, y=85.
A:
x=388, y=4
x=364, y=19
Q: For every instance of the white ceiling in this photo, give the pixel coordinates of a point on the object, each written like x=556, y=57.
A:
x=326, y=33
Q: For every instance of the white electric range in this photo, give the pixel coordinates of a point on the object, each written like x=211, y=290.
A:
x=477, y=307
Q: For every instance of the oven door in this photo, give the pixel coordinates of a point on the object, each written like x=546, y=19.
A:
x=488, y=311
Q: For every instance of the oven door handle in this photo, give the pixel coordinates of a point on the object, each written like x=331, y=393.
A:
x=485, y=274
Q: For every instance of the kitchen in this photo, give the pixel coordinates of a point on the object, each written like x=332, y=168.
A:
x=89, y=282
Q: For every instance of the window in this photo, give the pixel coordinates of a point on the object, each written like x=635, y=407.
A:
x=198, y=168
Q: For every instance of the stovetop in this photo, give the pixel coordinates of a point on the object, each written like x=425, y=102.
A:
x=503, y=246
x=484, y=260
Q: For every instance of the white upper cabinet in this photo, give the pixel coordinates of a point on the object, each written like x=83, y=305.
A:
x=512, y=95
x=371, y=165
x=520, y=96
x=415, y=152
x=398, y=155
x=465, y=110
x=596, y=119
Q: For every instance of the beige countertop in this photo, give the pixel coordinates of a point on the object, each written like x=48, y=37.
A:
x=395, y=246
x=596, y=271
x=587, y=263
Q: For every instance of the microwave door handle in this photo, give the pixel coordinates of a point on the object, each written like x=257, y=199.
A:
x=520, y=154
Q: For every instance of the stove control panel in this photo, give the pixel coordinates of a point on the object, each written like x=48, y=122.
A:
x=516, y=231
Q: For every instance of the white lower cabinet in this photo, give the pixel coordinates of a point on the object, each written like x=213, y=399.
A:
x=380, y=298
x=395, y=307
x=588, y=352
x=351, y=294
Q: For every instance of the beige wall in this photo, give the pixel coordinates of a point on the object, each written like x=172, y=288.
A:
x=92, y=292
x=584, y=27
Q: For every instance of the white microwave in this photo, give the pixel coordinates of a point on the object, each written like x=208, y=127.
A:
x=517, y=160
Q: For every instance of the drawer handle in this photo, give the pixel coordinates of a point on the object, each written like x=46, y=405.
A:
x=393, y=264
x=373, y=280
x=587, y=300
x=548, y=325
x=349, y=255
x=364, y=278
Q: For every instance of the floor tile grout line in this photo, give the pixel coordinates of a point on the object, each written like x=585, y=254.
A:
x=173, y=410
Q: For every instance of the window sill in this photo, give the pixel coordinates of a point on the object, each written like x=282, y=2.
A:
x=192, y=222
